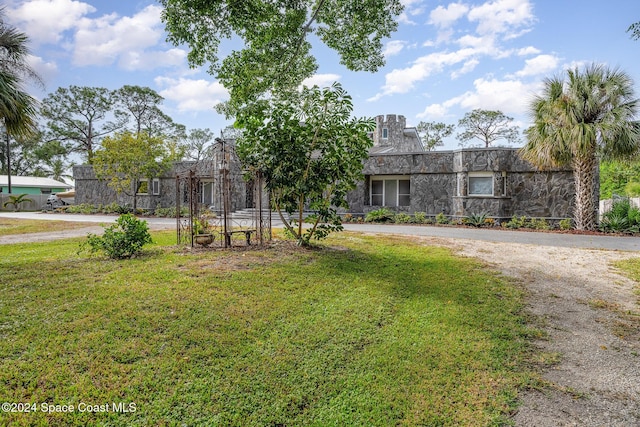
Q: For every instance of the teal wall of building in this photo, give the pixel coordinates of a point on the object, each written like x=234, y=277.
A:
x=28, y=190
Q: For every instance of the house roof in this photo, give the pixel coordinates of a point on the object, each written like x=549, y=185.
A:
x=32, y=181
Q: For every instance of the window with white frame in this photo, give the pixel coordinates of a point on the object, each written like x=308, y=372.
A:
x=205, y=193
x=390, y=191
x=146, y=187
x=480, y=183
x=385, y=133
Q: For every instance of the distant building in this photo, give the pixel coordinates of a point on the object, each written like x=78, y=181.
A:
x=32, y=185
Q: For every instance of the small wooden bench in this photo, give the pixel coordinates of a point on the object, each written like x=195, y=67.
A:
x=247, y=234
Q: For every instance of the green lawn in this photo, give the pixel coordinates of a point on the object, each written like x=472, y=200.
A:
x=371, y=331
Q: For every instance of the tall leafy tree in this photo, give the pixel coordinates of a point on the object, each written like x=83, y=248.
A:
x=487, y=126
x=433, y=133
x=31, y=155
x=198, y=142
x=81, y=116
x=18, y=109
x=309, y=151
x=590, y=114
x=143, y=106
x=275, y=35
x=126, y=159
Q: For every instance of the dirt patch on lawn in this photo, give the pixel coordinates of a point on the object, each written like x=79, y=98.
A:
x=589, y=313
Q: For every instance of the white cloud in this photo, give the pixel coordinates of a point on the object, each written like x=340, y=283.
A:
x=541, y=64
x=394, y=47
x=125, y=40
x=403, y=80
x=508, y=96
x=467, y=67
x=45, y=20
x=321, y=80
x=411, y=8
x=434, y=112
x=46, y=70
x=501, y=16
x=445, y=17
x=529, y=50
x=192, y=95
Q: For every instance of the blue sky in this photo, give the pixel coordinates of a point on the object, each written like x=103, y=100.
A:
x=446, y=59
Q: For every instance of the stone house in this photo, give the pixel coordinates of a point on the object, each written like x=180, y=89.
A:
x=399, y=174
x=173, y=186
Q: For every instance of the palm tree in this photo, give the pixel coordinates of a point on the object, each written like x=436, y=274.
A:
x=577, y=121
x=18, y=109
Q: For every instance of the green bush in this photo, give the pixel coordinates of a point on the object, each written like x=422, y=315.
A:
x=171, y=212
x=380, y=215
x=441, y=218
x=476, y=219
x=83, y=208
x=566, y=224
x=538, y=224
x=402, y=218
x=516, y=222
x=622, y=218
x=420, y=217
x=121, y=240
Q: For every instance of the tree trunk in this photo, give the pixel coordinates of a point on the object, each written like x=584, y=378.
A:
x=584, y=172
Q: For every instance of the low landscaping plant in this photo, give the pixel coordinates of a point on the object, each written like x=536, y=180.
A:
x=565, y=224
x=441, y=218
x=123, y=239
x=476, y=219
x=380, y=215
x=622, y=218
x=515, y=222
x=538, y=224
x=402, y=218
x=420, y=217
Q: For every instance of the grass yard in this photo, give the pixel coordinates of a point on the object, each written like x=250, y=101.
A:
x=22, y=226
x=365, y=330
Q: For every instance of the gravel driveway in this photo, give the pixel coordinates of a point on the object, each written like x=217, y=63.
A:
x=583, y=305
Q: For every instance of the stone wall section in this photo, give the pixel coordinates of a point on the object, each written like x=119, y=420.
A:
x=439, y=184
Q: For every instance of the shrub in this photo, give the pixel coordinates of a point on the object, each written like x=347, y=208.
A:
x=402, y=218
x=565, y=224
x=476, y=219
x=538, y=224
x=420, y=217
x=380, y=215
x=614, y=223
x=121, y=240
x=622, y=218
x=83, y=208
x=441, y=218
x=171, y=212
x=516, y=222
x=347, y=217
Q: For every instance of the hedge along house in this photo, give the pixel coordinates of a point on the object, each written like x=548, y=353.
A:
x=401, y=176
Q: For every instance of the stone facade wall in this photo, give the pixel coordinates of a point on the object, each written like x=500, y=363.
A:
x=439, y=184
x=89, y=189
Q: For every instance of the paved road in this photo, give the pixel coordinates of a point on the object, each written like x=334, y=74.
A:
x=624, y=243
